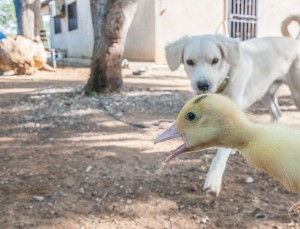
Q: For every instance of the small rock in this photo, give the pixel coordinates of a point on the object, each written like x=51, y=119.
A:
x=138, y=72
x=194, y=217
x=88, y=169
x=119, y=114
x=249, y=180
x=82, y=190
x=93, y=194
x=181, y=207
x=38, y=198
x=192, y=187
x=129, y=201
x=68, y=103
x=157, y=203
x=276, y=227
x=259, y=213
x=203, y=220
x=125, y=63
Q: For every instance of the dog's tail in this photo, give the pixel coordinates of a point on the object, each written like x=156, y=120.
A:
x=285, y=24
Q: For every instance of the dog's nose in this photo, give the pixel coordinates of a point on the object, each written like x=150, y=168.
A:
x=203, y=85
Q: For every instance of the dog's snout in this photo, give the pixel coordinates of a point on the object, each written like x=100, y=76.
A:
x=203, y=85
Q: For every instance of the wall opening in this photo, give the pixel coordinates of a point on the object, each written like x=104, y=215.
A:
x=242, y=18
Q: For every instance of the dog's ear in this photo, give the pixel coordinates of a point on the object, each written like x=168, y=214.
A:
x=230, y=49
x=174, y=52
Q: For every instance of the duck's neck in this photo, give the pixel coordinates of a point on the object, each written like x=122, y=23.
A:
x=238, y=134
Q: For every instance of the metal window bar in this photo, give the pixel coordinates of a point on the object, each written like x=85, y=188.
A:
x=242, y=18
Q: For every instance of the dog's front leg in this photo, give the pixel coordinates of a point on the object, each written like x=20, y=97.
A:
x=213, y=181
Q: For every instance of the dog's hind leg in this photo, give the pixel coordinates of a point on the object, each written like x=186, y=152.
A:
x=270, y=100
x=293, y=81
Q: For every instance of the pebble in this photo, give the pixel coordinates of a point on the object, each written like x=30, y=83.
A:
x=82, y=190
x=203, y=220
x=260, y=215
x=192, y=187
x=249, y=180
x=38, y=198
x=88, y=169
x=93, y=194
x=276, y=227
x=181, y=207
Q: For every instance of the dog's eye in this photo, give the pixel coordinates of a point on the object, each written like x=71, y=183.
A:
x=190, y=62
x=215, y=60
x=191, y=116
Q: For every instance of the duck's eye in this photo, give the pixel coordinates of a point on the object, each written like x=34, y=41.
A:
x=191, y=116
x=190, y=62
x=215, y=60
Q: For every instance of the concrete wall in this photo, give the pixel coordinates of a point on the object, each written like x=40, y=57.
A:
x=79, y=42
x=272, y=13
x=177, y=18
x=140, y=41
x=155, y=23
x=158, y=22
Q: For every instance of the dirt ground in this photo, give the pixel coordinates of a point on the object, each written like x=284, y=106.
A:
x=70, y=161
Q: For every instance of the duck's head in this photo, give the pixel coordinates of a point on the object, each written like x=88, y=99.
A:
x=207, y=120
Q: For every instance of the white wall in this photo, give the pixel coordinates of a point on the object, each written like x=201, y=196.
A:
x=140, y=41
x=158, y=22
x=79, y=42
x=177, y=18
x=273, y=12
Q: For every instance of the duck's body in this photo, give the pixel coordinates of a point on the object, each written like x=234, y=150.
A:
x=275, y=149
x=213, y=120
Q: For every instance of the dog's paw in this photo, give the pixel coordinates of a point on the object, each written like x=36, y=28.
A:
x=213, y=182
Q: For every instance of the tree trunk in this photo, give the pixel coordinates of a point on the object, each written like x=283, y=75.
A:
x=111, y=21
x=28, y=13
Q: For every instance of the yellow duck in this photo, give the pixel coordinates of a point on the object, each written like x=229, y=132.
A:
x=213, y=120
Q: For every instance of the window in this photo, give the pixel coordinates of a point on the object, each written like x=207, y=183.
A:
x=243, y=15
x=72, y=16
x=57, y=25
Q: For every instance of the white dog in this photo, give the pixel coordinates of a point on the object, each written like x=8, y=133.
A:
x=245, y=71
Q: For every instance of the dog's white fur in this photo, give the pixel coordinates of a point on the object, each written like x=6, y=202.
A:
x=256, y=68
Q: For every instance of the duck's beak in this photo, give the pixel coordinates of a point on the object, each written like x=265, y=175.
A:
x=171, y=133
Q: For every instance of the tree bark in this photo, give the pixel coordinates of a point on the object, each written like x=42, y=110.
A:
x=111, y=21
x=28, y=13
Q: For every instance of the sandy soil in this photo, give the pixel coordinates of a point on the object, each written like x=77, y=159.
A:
x=70, y=161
